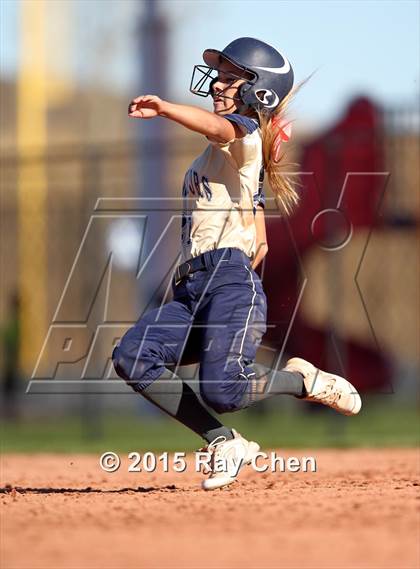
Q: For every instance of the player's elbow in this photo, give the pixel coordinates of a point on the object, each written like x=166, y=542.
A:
x=217, y=136
x=221, y=130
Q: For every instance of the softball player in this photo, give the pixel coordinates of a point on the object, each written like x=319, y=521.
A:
x=218, y=313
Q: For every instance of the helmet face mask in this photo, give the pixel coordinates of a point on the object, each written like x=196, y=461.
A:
x=204, y=77
x=267, y=74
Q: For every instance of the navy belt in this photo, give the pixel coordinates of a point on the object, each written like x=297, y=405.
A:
x=199, y=263
x=189, y=267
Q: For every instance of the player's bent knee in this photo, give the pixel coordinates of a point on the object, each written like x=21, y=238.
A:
x=116, y=361
x=138, y=369
x=124, y=369
x=120, y=364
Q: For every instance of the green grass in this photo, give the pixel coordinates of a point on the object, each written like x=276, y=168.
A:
x=379, y=425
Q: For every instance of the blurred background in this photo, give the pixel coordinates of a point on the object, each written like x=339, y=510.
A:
x=87, y=195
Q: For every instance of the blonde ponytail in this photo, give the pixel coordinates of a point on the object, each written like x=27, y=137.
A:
x=282, y=180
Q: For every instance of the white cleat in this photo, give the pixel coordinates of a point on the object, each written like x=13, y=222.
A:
x=227, y=459
x=327, y=388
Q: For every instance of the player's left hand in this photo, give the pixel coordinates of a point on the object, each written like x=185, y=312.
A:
x=145, y=107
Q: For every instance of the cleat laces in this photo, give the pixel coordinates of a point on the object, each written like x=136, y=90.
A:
x=215, y=450
x=330, y=395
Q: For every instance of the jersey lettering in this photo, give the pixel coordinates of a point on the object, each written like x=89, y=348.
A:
x=207, y=189
x=195, y=187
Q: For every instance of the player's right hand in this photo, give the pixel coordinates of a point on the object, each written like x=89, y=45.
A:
x=145, y=107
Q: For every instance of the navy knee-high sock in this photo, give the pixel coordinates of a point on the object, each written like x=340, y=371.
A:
x=178, y=399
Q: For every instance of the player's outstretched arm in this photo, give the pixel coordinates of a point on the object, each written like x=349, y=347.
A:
x=199, y=120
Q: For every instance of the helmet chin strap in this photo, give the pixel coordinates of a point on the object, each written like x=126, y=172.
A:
x=241, y=109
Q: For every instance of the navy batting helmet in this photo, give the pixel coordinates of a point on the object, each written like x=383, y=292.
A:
x=268, y=74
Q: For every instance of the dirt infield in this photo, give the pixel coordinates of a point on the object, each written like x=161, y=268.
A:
x=361, y=509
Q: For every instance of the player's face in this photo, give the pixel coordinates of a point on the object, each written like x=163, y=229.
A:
x=225, y=90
